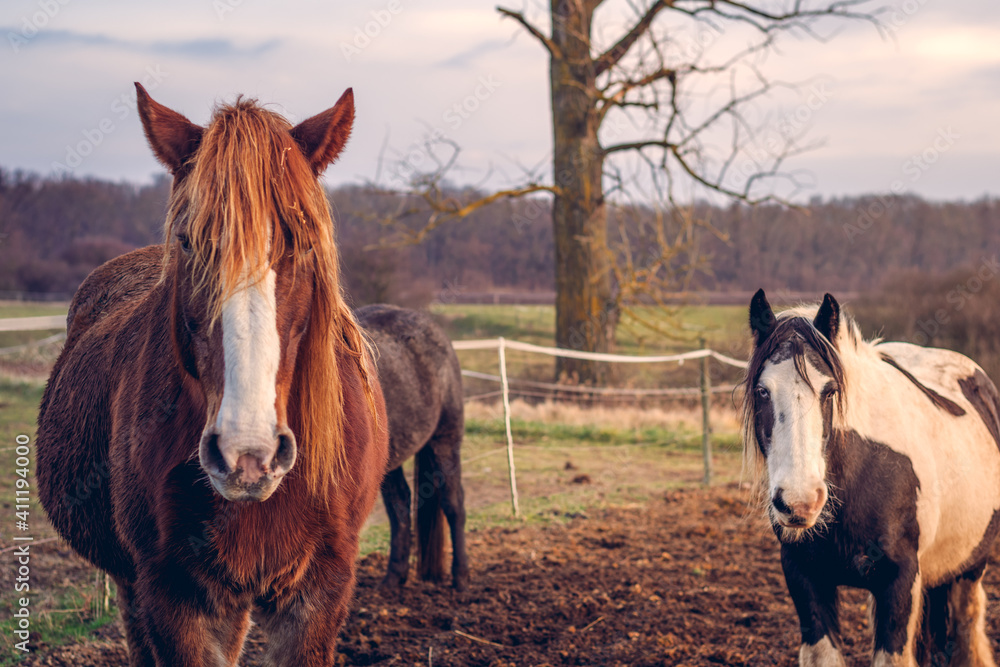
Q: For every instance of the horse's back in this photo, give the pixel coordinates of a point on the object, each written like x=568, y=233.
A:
x=113, y=287
x=956, y=456
x=75, y=419
x=419, y=373
x=943, y=370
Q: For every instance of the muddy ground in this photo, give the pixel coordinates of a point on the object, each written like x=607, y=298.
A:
x=684, y=579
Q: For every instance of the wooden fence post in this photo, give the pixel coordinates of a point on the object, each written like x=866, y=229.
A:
x=506, y=418
x=706, y=424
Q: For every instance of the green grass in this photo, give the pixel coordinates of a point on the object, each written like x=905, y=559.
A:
x=680, y=327
x=18, y=410
x=30, y=309
x=70, y=618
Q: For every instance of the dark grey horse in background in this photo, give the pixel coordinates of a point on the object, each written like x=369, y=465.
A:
x=422, y=383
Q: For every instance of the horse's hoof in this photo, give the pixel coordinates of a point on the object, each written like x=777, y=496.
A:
x=460, y=584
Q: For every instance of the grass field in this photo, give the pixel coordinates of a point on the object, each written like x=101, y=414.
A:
x=723, y=328
x=569, y=460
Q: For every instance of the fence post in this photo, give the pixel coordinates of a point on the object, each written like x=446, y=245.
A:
x=706, y=424
x=506, y=418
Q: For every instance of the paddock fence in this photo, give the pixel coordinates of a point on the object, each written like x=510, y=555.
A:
x=704, y=390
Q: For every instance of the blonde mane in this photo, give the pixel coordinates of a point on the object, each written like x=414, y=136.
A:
x=249, y=200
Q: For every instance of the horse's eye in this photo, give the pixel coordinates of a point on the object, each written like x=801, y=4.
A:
x=763, y=394
x=185, y=243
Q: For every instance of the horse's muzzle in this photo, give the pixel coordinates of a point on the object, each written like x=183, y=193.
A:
x=799, y=511
x=246, y=469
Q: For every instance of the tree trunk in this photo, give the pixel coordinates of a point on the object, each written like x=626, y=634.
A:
x=586, y=312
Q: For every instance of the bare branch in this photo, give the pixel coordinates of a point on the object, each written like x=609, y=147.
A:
x=638, y=145
x=769, y=21
x=442, y=208
x=607, y=59
x=535, y=32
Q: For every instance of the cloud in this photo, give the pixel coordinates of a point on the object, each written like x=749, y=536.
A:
x=466, y=58
x=190, y=48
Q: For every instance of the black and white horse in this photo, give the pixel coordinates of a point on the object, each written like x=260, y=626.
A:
x=879, y=464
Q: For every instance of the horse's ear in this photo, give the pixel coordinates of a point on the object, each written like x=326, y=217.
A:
x=827, y=320
x=173, y=138
x=323, y=136
x=762, y=318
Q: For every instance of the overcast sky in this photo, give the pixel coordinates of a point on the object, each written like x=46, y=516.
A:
x=66, y=72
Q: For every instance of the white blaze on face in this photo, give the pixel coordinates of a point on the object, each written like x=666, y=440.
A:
x=795, y=460
x=247, y=419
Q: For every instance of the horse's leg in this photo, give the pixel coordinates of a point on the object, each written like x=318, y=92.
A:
x=967, y=601
x=139, y=651
x=815, y=599
x=396, y=497
x=897, y=618
x=447, y=451
x=230, y=629
x=303, y=632
x=179, y=631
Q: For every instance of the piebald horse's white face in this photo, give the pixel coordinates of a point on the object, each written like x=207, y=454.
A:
x=794, y=442
x=795, y=378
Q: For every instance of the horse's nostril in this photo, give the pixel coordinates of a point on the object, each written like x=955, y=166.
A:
x=211, y=455
x=284, y=457
x=779, y=503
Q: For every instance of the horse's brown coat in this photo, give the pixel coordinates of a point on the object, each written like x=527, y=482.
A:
x=128, y=398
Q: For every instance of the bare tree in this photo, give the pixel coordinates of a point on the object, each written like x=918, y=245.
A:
x=686, y=120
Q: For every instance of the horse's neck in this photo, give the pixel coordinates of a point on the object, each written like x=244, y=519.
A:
x=151, y=386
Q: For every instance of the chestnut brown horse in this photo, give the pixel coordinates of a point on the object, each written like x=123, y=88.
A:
x=213, y=435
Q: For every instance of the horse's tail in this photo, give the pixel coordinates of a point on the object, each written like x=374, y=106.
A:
x=429, y=487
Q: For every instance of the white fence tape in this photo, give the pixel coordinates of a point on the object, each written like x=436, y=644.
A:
x=33, y=323
x=494, y=343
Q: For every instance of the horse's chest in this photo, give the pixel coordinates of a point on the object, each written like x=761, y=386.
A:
x=260, y=559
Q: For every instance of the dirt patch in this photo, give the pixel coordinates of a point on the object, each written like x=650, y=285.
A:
x=685, y=579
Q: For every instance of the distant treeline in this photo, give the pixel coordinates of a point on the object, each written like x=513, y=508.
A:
x=53, y=231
